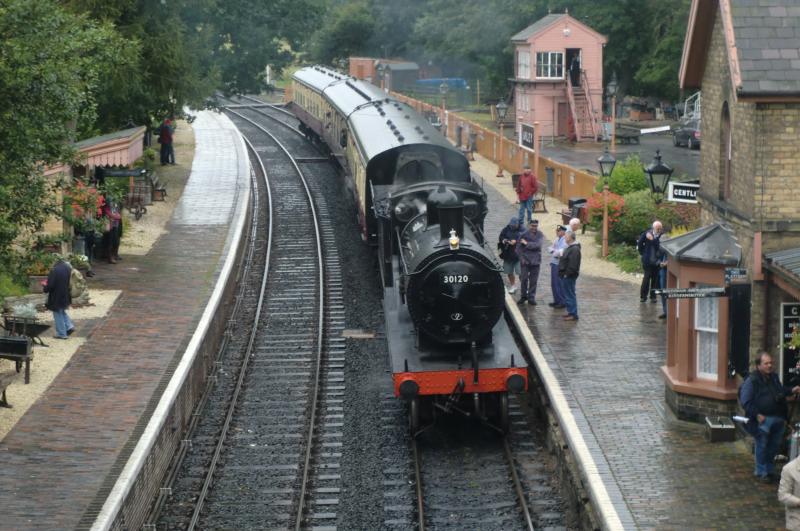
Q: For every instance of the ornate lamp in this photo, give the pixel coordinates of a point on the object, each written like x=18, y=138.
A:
x=502, y=109
x=659, y=174
x=606, y=162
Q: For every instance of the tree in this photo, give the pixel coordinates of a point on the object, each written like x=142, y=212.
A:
x=347, y=32
x=50, y=64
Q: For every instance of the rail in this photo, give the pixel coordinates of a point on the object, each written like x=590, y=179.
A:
x=573, y=111
x=590, y=106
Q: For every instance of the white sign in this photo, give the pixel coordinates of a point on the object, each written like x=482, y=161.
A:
x=682, y=192
x=656, y=129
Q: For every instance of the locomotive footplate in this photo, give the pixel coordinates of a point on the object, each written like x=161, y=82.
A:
x=438, y=369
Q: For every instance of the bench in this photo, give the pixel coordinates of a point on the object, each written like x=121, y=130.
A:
x=18, y=349
x=158, y=190
x=6, y=379
x=25, y=326
x=538, y=197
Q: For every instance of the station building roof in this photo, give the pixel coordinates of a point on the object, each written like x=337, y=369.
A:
x=762, y=40
x=712, y=244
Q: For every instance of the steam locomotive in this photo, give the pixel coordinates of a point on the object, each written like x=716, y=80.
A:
x=420, y=206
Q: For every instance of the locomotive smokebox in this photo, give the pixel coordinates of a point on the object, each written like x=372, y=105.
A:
x=446, y=210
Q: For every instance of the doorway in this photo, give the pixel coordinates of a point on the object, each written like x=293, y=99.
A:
x=574, y=66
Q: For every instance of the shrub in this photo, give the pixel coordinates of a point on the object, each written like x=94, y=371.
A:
x=616, y=204
x=628, y=176
x=638, y=214
x=626, y=257
x=8, y=288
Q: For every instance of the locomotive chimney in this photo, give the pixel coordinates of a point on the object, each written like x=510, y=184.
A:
x=445, y=209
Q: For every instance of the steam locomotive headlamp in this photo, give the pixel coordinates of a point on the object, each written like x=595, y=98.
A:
x=409, y=389
x=454, y=240
x=515, y=383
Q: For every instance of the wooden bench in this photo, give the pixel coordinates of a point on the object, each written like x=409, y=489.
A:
x=158, y=190
x=18, y=349
x=6, y=379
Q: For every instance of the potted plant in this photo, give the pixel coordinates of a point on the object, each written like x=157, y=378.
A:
x=39, y=263
x=82, y=205
x=79, y=262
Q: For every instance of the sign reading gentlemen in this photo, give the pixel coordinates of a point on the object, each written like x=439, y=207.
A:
x=682, y=192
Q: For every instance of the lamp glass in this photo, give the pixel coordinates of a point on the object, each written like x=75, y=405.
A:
x=659, y=174
x=502, y=109
x=606, y=162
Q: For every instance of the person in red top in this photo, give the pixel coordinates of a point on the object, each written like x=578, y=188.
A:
x=526, y=189
x=165, y=132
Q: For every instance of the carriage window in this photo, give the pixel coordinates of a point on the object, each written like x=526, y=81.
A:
x=343, y=138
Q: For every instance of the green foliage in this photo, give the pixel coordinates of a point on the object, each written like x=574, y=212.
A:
x=349, y=28
x=639, y=213
x=626, y=257
x=9, y=287
x=51, y=63
x=628, y=176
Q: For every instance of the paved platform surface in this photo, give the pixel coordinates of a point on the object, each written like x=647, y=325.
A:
x=59, y=461
x=608, y=363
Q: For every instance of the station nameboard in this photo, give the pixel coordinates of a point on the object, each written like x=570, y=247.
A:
x=526, y=137
x=682, y=192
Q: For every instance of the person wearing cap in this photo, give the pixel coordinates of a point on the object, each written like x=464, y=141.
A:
x=555, y=250
x=529, y=250
x=526, y=189
x=507, y=244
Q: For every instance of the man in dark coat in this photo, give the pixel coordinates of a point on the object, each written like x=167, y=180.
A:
x=569, y=267
x=58, y=297
x=529, y=250
x=165, y=132
x=648, y=246
x=763, y=398
x=507, y=245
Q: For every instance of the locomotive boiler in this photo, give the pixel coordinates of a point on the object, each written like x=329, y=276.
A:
x=452, y=284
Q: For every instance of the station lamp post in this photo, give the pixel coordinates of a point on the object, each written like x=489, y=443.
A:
x=606, y=162
x=443, y=88
x=381, y=69
x=659, y=174
x=502, y=109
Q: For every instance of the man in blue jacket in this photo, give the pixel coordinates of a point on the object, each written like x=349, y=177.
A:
x=529, y=250
x=763, y=398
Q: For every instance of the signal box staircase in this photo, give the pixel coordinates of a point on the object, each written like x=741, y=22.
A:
x=586, y=125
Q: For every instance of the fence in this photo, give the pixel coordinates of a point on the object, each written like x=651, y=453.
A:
x=565, y=181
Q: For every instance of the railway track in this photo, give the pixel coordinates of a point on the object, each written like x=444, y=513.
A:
x=470, y=477
x=275, y=453
x=281, y=463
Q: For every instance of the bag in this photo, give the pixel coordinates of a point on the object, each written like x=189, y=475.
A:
x=77, y=284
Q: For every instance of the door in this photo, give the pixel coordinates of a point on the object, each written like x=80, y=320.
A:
x=573, y=66
x=563, y=118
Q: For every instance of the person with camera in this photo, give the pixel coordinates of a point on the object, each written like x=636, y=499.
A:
x=648, y=246
x=507, y=245
x=764, y=398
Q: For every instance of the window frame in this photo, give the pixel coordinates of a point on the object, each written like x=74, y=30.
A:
x=523, y=67
x=549, y=65
x=700, y=330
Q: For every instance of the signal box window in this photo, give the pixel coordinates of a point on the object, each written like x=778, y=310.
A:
x=549, y=65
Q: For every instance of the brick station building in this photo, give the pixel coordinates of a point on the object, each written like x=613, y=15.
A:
x=745, y=56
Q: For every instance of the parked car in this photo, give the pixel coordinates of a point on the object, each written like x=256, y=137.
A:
x=687, y=134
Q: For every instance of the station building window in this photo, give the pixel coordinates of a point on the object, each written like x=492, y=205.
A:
x=524, y=65
x=725, y=154
x=706, y=326
x=549, y=65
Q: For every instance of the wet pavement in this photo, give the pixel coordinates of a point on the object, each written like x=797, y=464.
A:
x=608, y=363
x=684, y=162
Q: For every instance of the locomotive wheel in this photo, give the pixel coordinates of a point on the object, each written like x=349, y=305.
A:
x=413, y=416
x=502, y=413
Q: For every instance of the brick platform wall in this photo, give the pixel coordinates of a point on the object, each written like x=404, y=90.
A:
x=696, y=408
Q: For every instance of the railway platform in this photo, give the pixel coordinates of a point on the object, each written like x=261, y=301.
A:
x=659, y=472
x=61, y=460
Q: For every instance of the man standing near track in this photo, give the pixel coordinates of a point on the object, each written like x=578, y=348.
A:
x=507, y=245
x=526, y=189
x=556, y=250
x=529, y=249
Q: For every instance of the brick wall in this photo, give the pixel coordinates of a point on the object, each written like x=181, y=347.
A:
x=696, y=408
x=764, y=174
